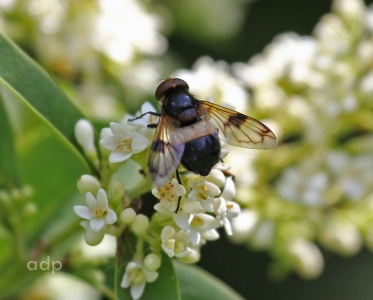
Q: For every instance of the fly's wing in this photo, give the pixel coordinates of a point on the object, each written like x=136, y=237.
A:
x=239, y=129
x=166, y=152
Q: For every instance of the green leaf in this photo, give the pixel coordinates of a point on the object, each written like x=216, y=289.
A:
x=197, y=284
x=8, y=162
x=36, y=88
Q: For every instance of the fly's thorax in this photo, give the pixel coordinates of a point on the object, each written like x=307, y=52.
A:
x=178, y=103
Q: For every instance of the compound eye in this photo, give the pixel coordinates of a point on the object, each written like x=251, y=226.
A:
x=168, y=84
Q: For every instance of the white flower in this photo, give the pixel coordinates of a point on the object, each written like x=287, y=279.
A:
x=123, y=143
x=141, y=31
x=203, y=192
x=143, y=122
x=136, y=276
x=199, y=225
x=175, y=243
x=168, y=196
x=98, y=212
x=225, y=210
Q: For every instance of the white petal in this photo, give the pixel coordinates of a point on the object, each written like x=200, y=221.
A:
x=111, y=142
x=160, y=208
x=97, y=224
x=83, y=212
x=211, y=235
x=137, y=289
x=105, y=132
x=111, y=217
x=102, y=200
x=192, y=206
x=184, y=253
x=118, y=156
x=181, y=219
x=229, y=189
x=195, y=237
x=139, y=142
x=227, y=226
x=207, y=205
x=90, y=200
x=213, y=190
x=133, y=265
x=169, y=252
x=120, y=131
x=125, y=281
x=167, y=232
x=233, y=209
x=147, y=106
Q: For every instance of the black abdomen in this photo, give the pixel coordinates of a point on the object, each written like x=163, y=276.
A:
x=201, y=154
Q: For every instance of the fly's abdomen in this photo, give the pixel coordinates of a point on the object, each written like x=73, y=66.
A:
x=201, y=154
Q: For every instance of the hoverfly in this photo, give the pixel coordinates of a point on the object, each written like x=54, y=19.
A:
x=188, y=132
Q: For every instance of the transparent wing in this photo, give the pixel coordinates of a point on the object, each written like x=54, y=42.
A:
x=166, y=152
x=239, y=129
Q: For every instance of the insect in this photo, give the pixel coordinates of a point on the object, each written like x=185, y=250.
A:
x=188, y=132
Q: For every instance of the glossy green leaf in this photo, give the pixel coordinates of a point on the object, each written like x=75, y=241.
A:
x=196, y=284
x=31, y=84
x=8, y=162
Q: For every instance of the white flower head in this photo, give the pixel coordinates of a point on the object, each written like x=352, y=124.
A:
x=203, y=192
x=98, y=212
x=199, y=225
x=136, y=276
x=168, y=196
x=123, y=142
x=175, y=243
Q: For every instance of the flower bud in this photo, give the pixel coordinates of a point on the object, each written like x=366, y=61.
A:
x=88, y=183
x=93, y=238
x=140, y=224
x=152, y=262
x=116, y=190
x=127, y=215
x=84, y=134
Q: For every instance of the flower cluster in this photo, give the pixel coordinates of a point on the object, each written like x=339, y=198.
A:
x=97, y=42
x=188, y=214
x=198, y=208
x=318, y=90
